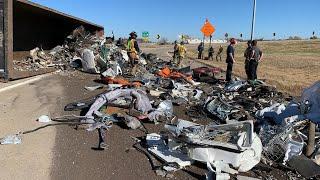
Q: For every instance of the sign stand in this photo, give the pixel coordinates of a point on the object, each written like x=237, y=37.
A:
x=207, y=30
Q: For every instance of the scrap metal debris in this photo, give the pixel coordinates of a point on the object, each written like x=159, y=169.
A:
x=235, y=126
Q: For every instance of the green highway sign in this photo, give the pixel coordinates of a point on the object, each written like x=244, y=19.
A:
x=145, y=34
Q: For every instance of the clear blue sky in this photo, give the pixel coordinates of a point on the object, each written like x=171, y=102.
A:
x=172, y=17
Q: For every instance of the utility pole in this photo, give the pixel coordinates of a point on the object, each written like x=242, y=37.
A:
x=253, y=19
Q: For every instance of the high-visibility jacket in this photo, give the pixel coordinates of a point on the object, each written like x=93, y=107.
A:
x=130, y=47
x=181, y=50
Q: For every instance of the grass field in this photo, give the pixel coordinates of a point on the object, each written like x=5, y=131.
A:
x=289, y=65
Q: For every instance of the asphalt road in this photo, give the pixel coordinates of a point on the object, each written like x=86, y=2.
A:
x=62, y=152
x=74, y=158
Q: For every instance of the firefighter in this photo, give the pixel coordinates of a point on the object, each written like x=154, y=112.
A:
x=219, y=54
x=133, y=48
x=181, y=53
x=175, y=52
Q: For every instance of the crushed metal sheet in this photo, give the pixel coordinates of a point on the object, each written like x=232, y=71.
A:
x=157, y=146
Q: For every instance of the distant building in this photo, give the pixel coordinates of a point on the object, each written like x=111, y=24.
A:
x=197, y=41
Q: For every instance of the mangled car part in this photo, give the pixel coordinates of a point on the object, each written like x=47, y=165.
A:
x=92, y=88
x=142, y=107
x=220, y=108
x=234, y=144
x=132, y=122
x=284, y=145
x=168, y=152
x=212, y=72
x=304, y=166
x=220, y=167
x=141, y=103
x=235, y=86
x=272, y=112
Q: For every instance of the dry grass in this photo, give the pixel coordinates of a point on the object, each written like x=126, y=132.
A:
x=289, y=65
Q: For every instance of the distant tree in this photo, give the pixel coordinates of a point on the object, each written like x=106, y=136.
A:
x=297, y=38
x=294, y=38
x=186, y=36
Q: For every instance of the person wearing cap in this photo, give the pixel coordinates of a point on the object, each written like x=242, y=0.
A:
x=230, y=59
x=175, y=52
x=254, y=60
x=133, y=48
x=248, y=53
x=181, y=53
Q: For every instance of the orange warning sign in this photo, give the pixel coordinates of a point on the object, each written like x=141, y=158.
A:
x=207, y=29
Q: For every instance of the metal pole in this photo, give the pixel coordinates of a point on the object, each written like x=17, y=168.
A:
x=253, y=19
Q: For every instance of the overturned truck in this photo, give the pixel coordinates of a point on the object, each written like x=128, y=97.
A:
x=25, y=25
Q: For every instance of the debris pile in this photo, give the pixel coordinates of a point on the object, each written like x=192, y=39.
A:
x=231, y=128
x=80, y=50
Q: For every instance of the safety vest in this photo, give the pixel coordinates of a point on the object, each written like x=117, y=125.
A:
x=181, y=50
x=131, y=47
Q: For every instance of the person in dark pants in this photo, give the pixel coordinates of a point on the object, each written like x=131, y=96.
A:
x=210, y=53
x=254, y=61
x=200, y=50
x=248, y=55
x=175, y=52
x=230, y=59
